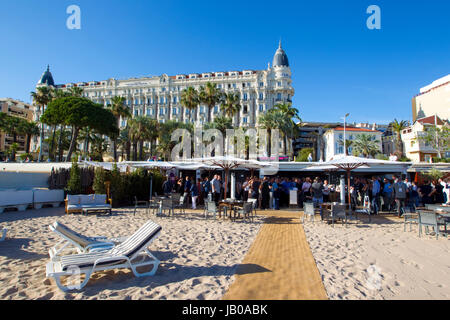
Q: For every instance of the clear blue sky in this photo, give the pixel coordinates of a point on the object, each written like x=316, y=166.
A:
x=338, y=64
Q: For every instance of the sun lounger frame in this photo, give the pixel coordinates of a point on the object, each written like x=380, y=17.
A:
x=98, y=243
x=54, y=268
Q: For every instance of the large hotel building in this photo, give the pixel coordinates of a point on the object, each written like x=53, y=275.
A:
x=158, y=97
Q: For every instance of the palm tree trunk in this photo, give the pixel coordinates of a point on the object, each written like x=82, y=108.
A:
x=115, y=149
x=51, y=153
x=134, y=151
x=209, y=113
x=399, y=145
x=73, y=142
x=28, y=143
x=128, y=147
x=60, y=150
x=141, y=150
x=285, y=144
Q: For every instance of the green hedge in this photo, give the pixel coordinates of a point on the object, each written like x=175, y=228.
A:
x=125, y=186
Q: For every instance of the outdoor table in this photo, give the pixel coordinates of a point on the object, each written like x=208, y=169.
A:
x=87, y=211
x=444, y=214
x=225, y=205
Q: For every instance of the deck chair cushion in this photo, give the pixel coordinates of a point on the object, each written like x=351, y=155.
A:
x=135, y=242
x=74, y=236
x=128, y=248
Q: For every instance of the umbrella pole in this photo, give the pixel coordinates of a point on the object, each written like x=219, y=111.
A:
x=151, y=185
x=226, y=184
x=348, y=188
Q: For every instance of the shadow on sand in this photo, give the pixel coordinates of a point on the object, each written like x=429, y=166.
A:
x=12, y=248
x=167, y=273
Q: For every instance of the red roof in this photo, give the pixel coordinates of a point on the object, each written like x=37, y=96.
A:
x=431, y=120
x=354, y=129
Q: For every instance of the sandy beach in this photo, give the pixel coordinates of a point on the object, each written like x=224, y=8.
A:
x=198, y=257
x=379, y=260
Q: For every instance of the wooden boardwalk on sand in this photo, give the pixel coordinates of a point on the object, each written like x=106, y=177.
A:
x=279, y=264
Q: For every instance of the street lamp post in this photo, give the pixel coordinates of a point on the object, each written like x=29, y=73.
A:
x=345, y=142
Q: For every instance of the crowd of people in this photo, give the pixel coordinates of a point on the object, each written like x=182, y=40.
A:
x=381, y=194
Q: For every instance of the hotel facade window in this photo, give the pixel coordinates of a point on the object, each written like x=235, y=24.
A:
x=269, y=86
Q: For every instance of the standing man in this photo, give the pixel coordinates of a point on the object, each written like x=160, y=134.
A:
x=387, y=195
x=187, y=188
x=167, y=187
x=215, y=185
x=326, y=191
x=206, y=189
x=400, y=195
x=317, y=193
x=194, y=194
x=276, y=194
x=376, y=189
x=265, y=194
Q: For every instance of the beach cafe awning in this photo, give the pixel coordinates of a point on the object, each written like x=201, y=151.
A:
x=228, y=163
x=348, y=164
x=106, y=165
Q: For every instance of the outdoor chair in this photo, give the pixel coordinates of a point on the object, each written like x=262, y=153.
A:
x=366, y=209
x=81, y=243
x=180, y=205
x=132, y=253
x=154, y=204
x=338, y=212
x=431, y=219
x=175, y=197
x=211, y=208
x=308, y=210
x=410, y=216
x=246, y=210
x=142, y=204
x=166, y=205
x=254, y=204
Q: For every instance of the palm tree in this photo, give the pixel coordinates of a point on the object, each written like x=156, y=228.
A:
x=76, y=91
x=222, y=124
x=190, y=100
x=30, y=129
x=348, y=144
x=165, y=143
x=146, y=131
x=284, y=123
x=210, y=95
x=41, y=98
x=134, y=134
x=286, y=115
x=13, y=126
x=123, y=141
x=366, y=145
x=287, y=109
x=99, y=146
x=151, y=133
x=398, y=127
x=119, y=110
x=267, y=121
x=231, y=105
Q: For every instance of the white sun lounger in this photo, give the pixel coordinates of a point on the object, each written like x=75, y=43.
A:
x=132, y=253
x=3, y=237
x=82, y=243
